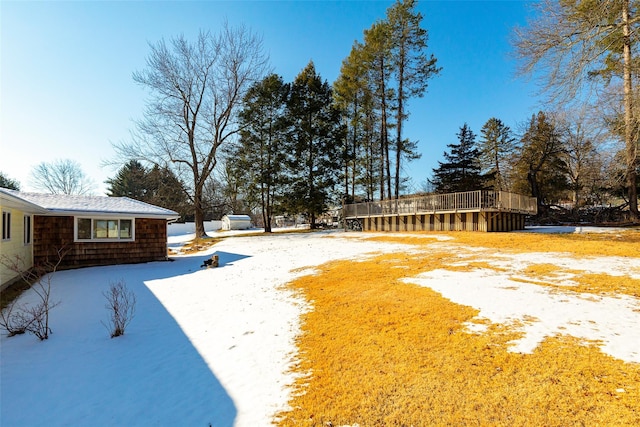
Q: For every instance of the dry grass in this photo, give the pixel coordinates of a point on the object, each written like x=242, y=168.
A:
x=578, y=281
x=198, y=245
x=202, y=244
x=379, y=352
x=624, y=244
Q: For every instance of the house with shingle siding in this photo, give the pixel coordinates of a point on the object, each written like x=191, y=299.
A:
x=89, y=230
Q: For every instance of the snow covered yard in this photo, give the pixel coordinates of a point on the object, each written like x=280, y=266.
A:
x=207, y=346
x=215, y=346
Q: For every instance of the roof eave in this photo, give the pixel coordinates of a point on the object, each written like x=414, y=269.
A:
x=21, y=204
x=67, y=212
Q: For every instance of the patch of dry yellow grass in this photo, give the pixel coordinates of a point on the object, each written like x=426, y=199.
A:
x=624, y=243
x=379, y=352
x=578, y=281
x=198, y=245
x=620, y=244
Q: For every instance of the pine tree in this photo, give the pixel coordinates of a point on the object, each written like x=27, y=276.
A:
x=540, y=169
x=351, y=95
x=314, y=132
x=165, y=189
x=461, y=170
x=130, y=181
x=258, y=158
x=377, y=57
x=7, y=182
x=496, y=149
x=158, y=186
x=412, y=69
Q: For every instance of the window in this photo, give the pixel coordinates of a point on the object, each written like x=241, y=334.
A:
x=27, y=229
x=6, y=225
x=104, y=229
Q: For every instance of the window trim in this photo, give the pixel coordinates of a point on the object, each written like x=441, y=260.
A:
x=28, y=229
x=104, y=239
x=6, y=225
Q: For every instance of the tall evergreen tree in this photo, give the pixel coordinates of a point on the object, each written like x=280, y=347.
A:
x=540, y=168
x=130, y=181
x=412, y=69
x=390, y=67
x=259, y=156
x=497, y=146
x=378, y=61
x=6, y=182
x=165, y=189
x=315, y=130
x=351, y=94
x=461, y=169
x=158, y=186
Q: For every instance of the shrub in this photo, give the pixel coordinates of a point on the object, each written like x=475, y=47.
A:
x=18, y=319
x=121, y=303
x=13, y=319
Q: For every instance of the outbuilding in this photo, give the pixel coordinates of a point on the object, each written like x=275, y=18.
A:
x=236, y=222
x=88, y=230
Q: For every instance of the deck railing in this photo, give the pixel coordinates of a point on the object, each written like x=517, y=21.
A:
x=470, y=201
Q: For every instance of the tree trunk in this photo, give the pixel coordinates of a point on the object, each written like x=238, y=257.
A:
x=629, y=119
x=384, y=139
x=371, y=185
x=345, y=157
x=388, y=165
x=266, y=207
x=354, y=154
x=199, y=212
x=533, y=184
x=498, y=174
x=400, y=117
x=385, y=167
x=381, y=168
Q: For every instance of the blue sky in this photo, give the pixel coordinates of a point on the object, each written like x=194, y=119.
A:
x=65, y=68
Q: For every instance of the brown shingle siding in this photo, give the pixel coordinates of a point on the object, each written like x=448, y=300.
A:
x=52, y=233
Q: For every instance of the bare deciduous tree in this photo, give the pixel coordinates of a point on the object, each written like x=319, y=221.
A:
x=577, y=44
x=196, y=91
x=63, y=176
x=582, y=141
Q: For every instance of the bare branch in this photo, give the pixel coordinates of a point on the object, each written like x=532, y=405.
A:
x=195, y=92
x=17, y=319
x=121, y=304
x=63, y=176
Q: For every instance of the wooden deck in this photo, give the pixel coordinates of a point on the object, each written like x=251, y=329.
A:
x=470, y=211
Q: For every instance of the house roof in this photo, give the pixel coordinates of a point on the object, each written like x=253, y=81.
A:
x=9, y=200
x=63, y=204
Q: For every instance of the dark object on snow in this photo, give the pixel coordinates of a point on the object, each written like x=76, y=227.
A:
x=212, y=262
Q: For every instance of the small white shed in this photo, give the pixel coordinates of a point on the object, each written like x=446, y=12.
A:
x=236, y=222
